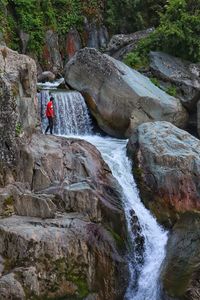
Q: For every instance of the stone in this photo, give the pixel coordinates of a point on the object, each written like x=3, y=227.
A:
x=10, y=288
x=118, y=97
x=46, y=76
x=182, y=74
x=52, y=54
x=73, y=43
x=122, y=44
x=20, y=74
x=24, y=37
x=68, y=257
x=180, y=269
x=167, y=169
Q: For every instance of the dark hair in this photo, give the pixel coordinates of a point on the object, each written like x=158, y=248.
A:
x=51, y=98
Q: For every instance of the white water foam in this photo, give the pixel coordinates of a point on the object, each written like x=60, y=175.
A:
x=148, y=288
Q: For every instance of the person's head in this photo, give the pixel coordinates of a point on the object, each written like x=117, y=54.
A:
x=51, y=98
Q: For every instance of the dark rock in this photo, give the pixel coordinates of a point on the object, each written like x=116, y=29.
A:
x=122, y=44
x=167, y=168
x=180, y=270
x=182, y=74
x=24, y=40
x=73, y=43
x=96, y=36
x=118, y=97
x=52, y=54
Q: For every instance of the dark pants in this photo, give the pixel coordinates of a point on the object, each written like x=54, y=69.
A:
x=50, y=126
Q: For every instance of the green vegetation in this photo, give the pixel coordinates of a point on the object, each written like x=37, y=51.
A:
x=131, y=15
x=177, y=34
x=177, y=23
x=18, y=129
x=35, y=17
x=172, y=90
x=155, y=81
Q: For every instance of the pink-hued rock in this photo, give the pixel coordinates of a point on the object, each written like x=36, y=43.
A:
x=167, y=168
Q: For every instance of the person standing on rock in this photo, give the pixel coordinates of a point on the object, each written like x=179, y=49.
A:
x=50, y=115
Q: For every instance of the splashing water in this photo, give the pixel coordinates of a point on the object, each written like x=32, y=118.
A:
x=73, y=119
x=71, y=112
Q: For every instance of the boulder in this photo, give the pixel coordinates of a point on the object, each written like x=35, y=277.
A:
x=73, y=171
x=122, y=44
x=46, y=76
x=183, y=75
x=167, y=168
x=118, y=97
x=180, y=269
x=66, y=257
x=63, y=224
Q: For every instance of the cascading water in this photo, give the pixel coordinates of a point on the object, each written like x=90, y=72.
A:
x=71, y=112
x=74, y=120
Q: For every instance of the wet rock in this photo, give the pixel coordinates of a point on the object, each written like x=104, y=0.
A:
x=122, y=44
x=182, y=74
x=118, y=97
x=167, y=168
x=180, y=270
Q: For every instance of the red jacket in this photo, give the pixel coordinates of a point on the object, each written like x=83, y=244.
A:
x=49, y=110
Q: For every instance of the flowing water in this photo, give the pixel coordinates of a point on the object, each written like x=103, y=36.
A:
x=71, y=113
x=114, y=153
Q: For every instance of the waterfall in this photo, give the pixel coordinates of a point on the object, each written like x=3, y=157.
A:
x=71, y=113
x=155, y=238
x=73, y=119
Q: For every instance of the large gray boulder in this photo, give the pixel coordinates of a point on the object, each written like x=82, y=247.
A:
x=167, y=168
x=118, y=97
x=180, y=269
x=183, y=75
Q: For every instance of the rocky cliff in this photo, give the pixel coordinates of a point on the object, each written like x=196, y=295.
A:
x=63, y=229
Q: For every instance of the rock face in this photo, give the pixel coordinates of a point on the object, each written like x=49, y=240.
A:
x=52, y=53
x=122, y=44
x=182, y=74
x=73, y=43
x=63, y=230
x=167, y=168
x=180, y=271
x=17, y=100
x=120, y=98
